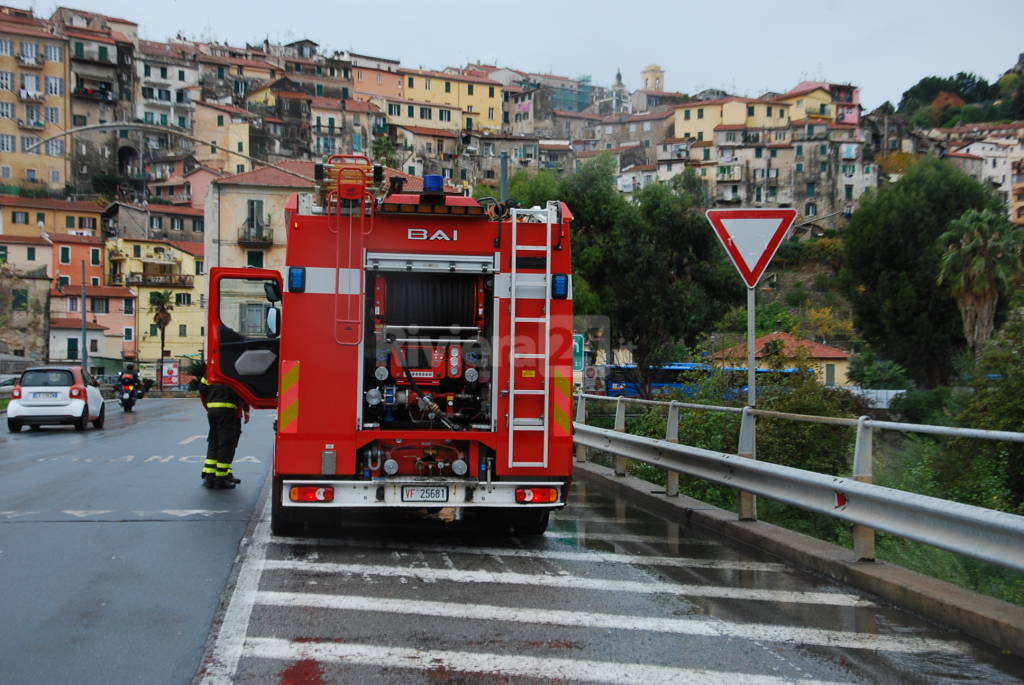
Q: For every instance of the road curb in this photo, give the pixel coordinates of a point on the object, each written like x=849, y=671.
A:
x=988, y=619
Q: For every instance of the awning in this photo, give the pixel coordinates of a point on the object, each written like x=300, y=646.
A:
x=95, y=72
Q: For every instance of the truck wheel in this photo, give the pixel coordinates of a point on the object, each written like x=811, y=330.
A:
x=531, y=521
x=283, y=522
x=13, y=426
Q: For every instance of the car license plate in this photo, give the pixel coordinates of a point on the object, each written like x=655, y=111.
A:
x=44, y=395
x=424, y=493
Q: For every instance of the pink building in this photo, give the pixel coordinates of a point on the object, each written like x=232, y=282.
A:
x=181, y=181
x=110, y=311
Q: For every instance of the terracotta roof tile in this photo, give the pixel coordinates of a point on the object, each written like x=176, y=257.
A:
x=792, y=347
x=63, y=323
x=49, y=203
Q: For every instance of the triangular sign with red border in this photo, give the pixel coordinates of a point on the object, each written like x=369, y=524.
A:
x=751, y=237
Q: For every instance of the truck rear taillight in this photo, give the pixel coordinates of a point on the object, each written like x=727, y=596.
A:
x=536, y=495
x=311, y=493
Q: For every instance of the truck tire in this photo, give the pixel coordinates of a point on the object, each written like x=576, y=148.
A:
x=531, y=521
x=283, y=522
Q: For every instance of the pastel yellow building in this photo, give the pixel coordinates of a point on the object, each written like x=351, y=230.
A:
x=177, y=267
x=34, y=103
x=479, y=98
x=812, y=102
x=29, y=216
x=405, y=112
x=226, y=130
x=698, y=120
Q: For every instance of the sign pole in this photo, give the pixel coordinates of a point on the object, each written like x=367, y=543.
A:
x=751, y=375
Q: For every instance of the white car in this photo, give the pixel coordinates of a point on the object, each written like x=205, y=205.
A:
x=48, y=395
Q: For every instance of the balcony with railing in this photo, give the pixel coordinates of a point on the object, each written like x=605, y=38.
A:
x=32, y=125
x=31, y=95
x=153, y=279
x=31, y=62
x=255, y=234
x=99, y=94
x=729, y=174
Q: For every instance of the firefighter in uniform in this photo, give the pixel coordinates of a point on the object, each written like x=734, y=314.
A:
x=225, y=411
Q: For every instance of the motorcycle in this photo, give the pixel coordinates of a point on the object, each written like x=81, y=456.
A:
x=127, y=395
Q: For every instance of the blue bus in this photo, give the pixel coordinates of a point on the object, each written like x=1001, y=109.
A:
x=685, y=378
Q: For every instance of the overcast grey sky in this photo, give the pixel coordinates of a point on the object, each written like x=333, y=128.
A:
x=741, y=46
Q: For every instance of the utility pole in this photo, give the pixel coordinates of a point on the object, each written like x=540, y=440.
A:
x=85, y=349
x=504, y=177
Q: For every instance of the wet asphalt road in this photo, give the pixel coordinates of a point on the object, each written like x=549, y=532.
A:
x=115, y=564
x=113, y=558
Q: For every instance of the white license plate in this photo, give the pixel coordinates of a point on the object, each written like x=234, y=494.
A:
x=424, y=493
x=44, y=395
x=125, y=395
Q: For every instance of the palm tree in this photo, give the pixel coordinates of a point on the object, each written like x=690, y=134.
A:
x=160, y=301
x=982, y=255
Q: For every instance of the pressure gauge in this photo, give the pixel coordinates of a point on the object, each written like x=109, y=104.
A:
x=381, y=373
x=472, y=375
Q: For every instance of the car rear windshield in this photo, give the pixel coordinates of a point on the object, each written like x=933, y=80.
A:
x=48, y=378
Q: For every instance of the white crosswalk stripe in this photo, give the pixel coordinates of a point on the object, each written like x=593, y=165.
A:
x=433, y=575
x=561, y=555
x=503, y=666
x=700, y=627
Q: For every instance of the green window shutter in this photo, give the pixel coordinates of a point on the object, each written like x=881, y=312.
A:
x=69, y=222
x=220, y=119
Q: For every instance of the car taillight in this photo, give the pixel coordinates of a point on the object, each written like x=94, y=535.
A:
x=16, y=393
x=536, y=495
x=311, y=493
x=77, y=391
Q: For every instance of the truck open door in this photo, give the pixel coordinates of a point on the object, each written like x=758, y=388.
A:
x=244, y=321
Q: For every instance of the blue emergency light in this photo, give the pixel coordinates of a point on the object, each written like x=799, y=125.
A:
x=296, y=279
x=433, y=184
x=559, y=286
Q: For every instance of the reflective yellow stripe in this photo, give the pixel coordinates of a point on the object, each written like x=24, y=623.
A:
x=288, y=400
x=221, y=405
x=204, y=381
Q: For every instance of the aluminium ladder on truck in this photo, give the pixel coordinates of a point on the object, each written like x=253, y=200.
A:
x=530, y=286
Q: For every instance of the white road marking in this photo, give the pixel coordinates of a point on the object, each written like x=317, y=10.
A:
x=433, y=575
x=548, y=670
x=617, y=537
x=561, y=555
x=230, y=642
x=82, y=513
x=180, y=513
x=15, y=514
x=192, y=438
x=699, y=627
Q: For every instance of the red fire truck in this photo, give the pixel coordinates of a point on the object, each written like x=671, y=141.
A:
x=417, y=348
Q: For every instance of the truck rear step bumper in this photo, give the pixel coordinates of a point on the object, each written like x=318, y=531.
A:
x=391, y=493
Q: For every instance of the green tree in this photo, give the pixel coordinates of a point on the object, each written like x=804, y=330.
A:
x=161, y=303
x=892, y=261
x=534, y=189
x=981, y=257
x=997, y=403
x=654, y=265
x=868, y=370
x=690, y=184
x=384, y=152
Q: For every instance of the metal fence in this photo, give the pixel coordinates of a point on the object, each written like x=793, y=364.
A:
x=985, y=534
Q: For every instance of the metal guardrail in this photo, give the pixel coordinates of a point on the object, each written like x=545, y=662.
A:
x=992, y=536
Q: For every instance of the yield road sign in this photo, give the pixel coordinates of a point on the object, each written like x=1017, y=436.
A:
x=577, y=352
x=751, y=237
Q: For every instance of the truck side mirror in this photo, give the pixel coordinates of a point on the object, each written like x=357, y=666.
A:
x=273, y=322
x=272, y=291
